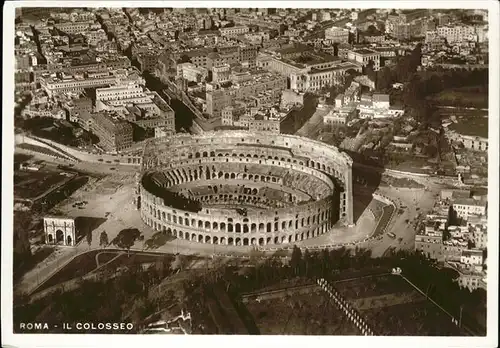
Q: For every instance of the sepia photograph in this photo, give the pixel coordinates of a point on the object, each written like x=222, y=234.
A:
x=294, y=169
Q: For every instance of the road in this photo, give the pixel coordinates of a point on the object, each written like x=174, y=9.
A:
x=313, y=126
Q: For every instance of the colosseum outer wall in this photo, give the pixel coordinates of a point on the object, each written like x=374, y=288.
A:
x=221, y=226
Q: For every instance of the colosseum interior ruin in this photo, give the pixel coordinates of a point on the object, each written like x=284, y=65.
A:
x=244, y=188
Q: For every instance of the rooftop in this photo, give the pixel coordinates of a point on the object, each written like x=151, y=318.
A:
x=364, y=51
x=469, y=201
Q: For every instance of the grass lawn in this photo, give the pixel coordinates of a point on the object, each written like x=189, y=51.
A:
x=474, y=126
x=393, y=307
x=86, y=263
x=32, y=184
x=302, y=314
x=463, y=96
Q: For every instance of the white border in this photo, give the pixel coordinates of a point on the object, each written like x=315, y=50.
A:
x=77, y=340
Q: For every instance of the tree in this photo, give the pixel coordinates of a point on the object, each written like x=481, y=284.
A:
x=296, y=259
x=470, y=244
x=104, y=239
x=370, y=72
x=307, y=262
x=384, y=78
x=126, y=238
x=89, y=238
x=22, y=245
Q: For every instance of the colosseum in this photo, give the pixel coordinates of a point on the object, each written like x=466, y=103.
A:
x=244, y=188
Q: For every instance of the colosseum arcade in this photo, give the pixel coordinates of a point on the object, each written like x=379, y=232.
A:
x=243, y=188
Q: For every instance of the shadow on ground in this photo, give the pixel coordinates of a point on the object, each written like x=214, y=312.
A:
x=86, y=224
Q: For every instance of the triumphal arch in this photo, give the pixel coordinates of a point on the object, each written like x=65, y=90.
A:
x=59, y=230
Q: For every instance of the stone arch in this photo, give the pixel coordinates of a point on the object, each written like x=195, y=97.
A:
x=59, y=236
x=261, y=241
x=230, y=227
x=222, y=240
x=207, y=225
x=269, y=227
x=193, y=237
x=253, y=241
x=223, y=226
x=245, y=228
x=268, y=240
x=245, y=241
x=238, y=228
x=207, y=239
x=200, y=238
x=233, y=176
x=261, y=227
x=230, y=241
x=69, y=240
x=237, y=241
x=276, y=240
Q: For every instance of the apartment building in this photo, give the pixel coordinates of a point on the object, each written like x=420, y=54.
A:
x=337, y=35
x=114, y=134
x=244, y=85
x=137, y=104
x=54, y=86
x=466, y=207
x=191, y=72
x=430, y=242
x=340, y=115
x=472, y=257
x=148, y=61
x=234, y=31
x=74, y=27
x=364, y=56
x=475, y=143
x=457, y=33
